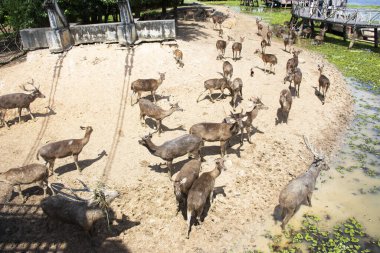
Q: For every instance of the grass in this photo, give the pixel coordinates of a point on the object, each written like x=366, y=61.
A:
x=377, y=7
x=362, y=62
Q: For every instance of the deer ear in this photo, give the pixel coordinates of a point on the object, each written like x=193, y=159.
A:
x=83, y=128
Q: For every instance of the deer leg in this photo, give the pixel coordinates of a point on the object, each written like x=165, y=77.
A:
x=211, y=197
x=249, y=134
x=142, y=120
x=51, y=166
x=169, y=164
x=159, y=127
x=3, y=118
x=289, y=214
x=242, y=135
x=154, y=96
x=18, y=189
x=223, y=148
x=43, y=186
x=19, y=114
x=133, y=93
x=210, y=95
x=308, y=198
x=200, y=95
x=76, y=162
x=31, y=115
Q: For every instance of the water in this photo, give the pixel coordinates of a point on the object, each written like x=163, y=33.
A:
x=364, y=2
x=351, y=188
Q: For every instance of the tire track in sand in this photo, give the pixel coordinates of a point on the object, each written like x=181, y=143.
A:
x=128, y=66
x=57, y=72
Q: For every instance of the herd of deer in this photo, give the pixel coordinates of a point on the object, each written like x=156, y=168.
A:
x=191, y=188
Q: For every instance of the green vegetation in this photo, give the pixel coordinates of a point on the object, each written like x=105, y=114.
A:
x=376, y=7
x=348, y=236
x=229, y=3
x=362, y=62
x=273, y=16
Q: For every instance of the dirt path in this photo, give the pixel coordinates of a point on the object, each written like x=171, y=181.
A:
x=90, y=85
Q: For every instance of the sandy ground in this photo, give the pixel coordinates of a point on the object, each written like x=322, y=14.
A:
x=90, y=85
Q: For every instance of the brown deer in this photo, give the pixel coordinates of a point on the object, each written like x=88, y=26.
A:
x=236, y=48
x=147, y=108
x=61, y=149
x=19, y=101
x=141, y=85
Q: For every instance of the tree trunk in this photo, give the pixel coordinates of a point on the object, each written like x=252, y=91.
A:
x=164, y=5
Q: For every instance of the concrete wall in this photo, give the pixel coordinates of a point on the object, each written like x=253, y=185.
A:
x=34, y=38
x=59, y=40
x=155, y=30
x=106, y=32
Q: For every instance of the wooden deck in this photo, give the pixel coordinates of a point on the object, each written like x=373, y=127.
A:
x=360, y=18
x=357, y=19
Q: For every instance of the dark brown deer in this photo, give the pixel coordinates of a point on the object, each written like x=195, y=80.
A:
x=26, y=175
x=221, y=47
x=264, y=44
x=19, y=101
x=286, y=104
x=324, y=83
x=185, y=144
x=217, y=19
x=141, y=85
x=228, y=70
x=65, y=148
x=201, y=190
x=300, y=189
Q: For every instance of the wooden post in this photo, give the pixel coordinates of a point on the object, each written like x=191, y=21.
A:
x=345, y=33
x=376, y=38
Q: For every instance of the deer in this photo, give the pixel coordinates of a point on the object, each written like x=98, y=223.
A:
x=324, y=83
x=215, y=84
x=296, y=77
x=285, y=103
x=237, y=91
x=19, y=101
x=221, y=46
x=228, y=70
x=264, y=44
x=201, y=190
x=140, y=85
x=288, y=42
x=249, y=115
x=236, y=48
x=292, y=63
x=65, y=148
x=147, y=108
x=26, y=175
x=307, y=32
x=259, y=26
x=185, y=179
x=319, y=39
x=267, y=58
x=178, y=57
x=169, y=150
x=218, y=131
x=217, y=19
x=300, y=189
x=79, y=211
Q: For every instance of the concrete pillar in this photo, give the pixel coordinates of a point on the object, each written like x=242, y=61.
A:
x=127, y=29
x=58, y=37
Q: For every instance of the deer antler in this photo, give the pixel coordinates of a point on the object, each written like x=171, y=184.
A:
x=316, y=154
x=32, y=83
x=22, y=86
